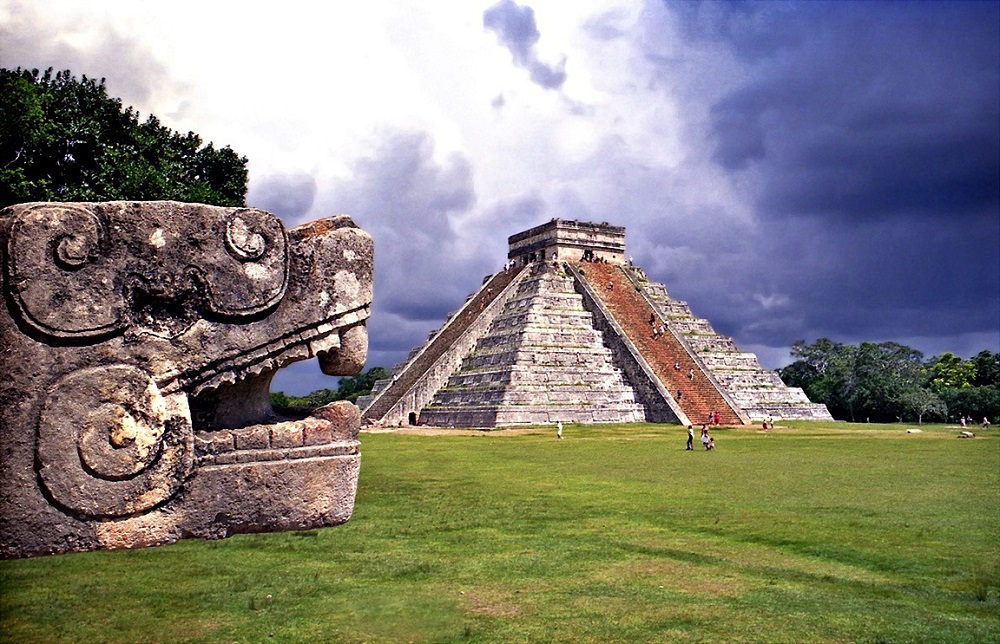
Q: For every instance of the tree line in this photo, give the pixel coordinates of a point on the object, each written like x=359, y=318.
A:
x=349, y=389
x=890, y=382
x=63, y=139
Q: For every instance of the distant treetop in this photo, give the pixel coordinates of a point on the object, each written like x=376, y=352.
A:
x=63, y=139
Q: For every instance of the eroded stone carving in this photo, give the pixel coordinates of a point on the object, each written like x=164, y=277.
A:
x=139, y=340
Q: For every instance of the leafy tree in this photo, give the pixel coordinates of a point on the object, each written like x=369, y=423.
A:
x=280, y=399
x=977, y=402
x=987, y=369
x=820, y=371
x=969, y=387
x=63, y=139
x=951, y=371
x=923, y=402
x=881, y=374
x=354, y=387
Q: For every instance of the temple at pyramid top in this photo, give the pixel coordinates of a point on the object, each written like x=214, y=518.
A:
x=568, y=240
x=568, y=331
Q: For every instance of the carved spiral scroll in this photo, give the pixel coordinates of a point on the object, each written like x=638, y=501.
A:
x=61, y=278
x=110, y=444
x=250, y=276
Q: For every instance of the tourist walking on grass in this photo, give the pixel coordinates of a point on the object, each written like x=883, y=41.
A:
x=690, y=444
x=559, y=430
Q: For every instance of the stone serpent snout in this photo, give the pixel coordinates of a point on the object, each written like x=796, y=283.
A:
x=143, y=337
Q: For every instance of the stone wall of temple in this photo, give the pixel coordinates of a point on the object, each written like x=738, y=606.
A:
x=567, y=240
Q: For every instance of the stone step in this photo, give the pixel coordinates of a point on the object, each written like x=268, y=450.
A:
x=494, y=416
x=550, y=318
x=692, y=326
x=527, y=397
x=701, y=344
x=576, y=359
x=735, y=380
x=720, y=360
x=682, y=376
x=507, y=338
x=525, y=375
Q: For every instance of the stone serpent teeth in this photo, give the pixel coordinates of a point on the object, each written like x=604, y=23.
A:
x=324, y=344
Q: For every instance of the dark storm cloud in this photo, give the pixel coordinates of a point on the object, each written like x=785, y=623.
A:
x=751, y=32
x=290, y=196
x=845, y=140
x=515, y=26
x=132, y=73
x=873, y=110
x=401, y=181
x=871, y=135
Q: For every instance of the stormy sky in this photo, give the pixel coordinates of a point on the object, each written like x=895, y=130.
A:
x=792, y=170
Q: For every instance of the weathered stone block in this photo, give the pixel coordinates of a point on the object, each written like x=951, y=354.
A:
x=253, y=438
x=139, y=342
x=315, y=433
x=218, y=442
x=286, y=435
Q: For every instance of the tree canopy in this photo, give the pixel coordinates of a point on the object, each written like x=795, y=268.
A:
x=63, y=139
x=890, y=381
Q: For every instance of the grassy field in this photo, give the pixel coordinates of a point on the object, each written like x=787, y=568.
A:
x=813, y=532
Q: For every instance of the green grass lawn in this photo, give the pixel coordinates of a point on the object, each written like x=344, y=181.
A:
x=815, y=532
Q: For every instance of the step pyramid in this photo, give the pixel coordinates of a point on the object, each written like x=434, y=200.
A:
x=569, y=332
x=540, y=361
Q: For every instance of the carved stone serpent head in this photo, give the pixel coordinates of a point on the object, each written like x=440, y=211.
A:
x=139, y=340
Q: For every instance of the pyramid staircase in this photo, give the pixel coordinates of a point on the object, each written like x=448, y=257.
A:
x=680, y=371
x=540, y=361
x=398, y=400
